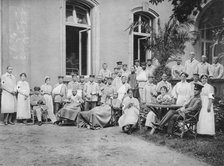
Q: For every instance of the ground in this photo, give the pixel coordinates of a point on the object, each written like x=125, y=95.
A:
x=48, y=145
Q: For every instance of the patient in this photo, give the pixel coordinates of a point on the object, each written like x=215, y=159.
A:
x=70, y=110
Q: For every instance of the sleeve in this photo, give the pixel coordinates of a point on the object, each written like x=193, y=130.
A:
x=158, y=87
x=3, y=84
x=220, y=72
x=174, y=91
x=43, y=99
x=196, y=106
x=211, y=92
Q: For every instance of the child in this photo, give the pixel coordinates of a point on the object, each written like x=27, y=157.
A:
x=38, y=102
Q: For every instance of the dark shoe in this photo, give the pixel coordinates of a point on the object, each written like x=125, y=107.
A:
x=11, y=123
x=156, y=124
x=169, y=136
x=39, y=123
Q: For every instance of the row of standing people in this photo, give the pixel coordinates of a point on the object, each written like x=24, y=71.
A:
x=89, y=91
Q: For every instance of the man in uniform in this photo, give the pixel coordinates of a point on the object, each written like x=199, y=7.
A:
x=105, y=72
x=74, y=84
x=137, y=66
x=91, y=91
x=59, y=94
x=203, y=67
x=142, y=79
x=190, y=65
x=125, y=71
x=189, y=109
x=150, y=68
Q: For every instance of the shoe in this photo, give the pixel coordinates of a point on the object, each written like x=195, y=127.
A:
x=39, y=123
x=169, y=136
x=6, y=123
x=11, y=123
x=156, y=124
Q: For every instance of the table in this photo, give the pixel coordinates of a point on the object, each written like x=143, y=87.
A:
x=159, y=107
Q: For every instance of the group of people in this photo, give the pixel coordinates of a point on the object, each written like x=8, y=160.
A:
x=111, y=97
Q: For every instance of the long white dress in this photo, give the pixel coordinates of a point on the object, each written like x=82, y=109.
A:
x=130, y=116
x=47, y=90
x=182, y=92
x=206, y=123
x=8, y=101
x=23, y=100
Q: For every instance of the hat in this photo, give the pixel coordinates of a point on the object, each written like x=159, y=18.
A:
x=46, y=77
x=125, y=65
x=36, y=88
x=81, y=76
x=136, y=60
x=143, y=63
x=93, y=76
x=198, y=86
x=196, y=74
x=109, y=78
x=119, y=63
x=149, y=60
x=184, y=74
x=203, y=76
x=203, y=56
x=60, y=77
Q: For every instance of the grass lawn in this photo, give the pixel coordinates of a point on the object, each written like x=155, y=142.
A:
x=210, y=150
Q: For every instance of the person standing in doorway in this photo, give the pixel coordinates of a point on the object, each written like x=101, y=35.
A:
x=8, y=101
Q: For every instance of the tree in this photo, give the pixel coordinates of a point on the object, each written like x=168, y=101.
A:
x=182, y=9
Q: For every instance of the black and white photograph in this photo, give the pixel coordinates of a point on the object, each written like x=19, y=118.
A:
x=111, y=82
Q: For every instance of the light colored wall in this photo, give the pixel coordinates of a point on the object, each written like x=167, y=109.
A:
x=42, y=42
x=114, y=19
x=38, y=50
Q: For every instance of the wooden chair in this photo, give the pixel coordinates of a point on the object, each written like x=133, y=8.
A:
x=186, y=125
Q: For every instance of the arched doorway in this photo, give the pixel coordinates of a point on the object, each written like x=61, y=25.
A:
x=209, y=21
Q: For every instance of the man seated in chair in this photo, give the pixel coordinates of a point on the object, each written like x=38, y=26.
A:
x=189, y=109
x=38, y=102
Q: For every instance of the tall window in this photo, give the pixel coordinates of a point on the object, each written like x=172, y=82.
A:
x=142, y=30
x=211, y=20
x=78, y=28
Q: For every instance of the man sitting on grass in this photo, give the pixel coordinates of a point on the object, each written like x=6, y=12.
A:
x=38, y=102
x=189, y=109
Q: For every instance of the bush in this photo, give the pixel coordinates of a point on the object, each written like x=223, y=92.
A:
x=159, y=72
x=219, y=114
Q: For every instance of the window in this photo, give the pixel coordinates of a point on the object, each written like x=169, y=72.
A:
x=210, y=21
x=78, y=42
x=143, y=22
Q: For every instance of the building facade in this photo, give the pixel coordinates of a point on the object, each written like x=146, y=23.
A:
x=57, y=37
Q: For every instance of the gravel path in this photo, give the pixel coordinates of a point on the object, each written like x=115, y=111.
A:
x=51, y=145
